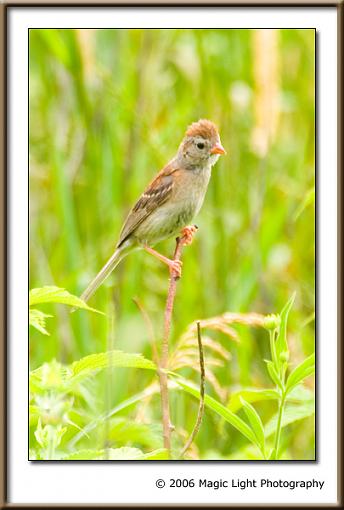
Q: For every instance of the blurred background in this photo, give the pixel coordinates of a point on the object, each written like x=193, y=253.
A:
x=108, y=109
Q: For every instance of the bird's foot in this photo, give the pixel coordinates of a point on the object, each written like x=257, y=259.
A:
x=175, y=268
x=188, y=233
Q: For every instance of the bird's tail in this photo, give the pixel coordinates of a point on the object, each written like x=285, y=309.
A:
x=110, y=265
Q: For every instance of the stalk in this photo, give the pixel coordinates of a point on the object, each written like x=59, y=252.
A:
x=279, y=424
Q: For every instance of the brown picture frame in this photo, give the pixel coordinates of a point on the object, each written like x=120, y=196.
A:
x=4, y=232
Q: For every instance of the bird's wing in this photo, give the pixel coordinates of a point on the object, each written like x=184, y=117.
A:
x=156, y=193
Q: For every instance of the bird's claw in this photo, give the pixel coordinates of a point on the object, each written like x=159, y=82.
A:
x=188, y=233
x=176, y=268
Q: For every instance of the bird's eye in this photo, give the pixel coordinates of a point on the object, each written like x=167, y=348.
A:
x=200, y=145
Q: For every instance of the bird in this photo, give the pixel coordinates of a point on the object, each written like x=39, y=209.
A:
x=170, y=202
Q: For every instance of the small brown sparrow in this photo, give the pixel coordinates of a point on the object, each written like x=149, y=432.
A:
x=170, y=201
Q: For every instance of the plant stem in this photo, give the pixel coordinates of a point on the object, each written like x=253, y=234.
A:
x=51, y=450
x=272, y=345
x=202, y=391
x=279, y=424
x=163, y=365
x=51, y=446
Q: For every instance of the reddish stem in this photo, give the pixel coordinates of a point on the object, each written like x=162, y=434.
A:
x=165, y=348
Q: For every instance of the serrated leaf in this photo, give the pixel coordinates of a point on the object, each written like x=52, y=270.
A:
x=251, y=395
x=84, y=455
x=273, y=373
x=49, y=376
x=256, y=424
x=124, y=431
x=220, y=409
x=56, y=376
x=291, y=414
x=124, y=453
x=160, y=454
x=305, y=369
x=37, y=320
x=89, y=364
x=52, y=294
x=127, y=453
x=281, y=341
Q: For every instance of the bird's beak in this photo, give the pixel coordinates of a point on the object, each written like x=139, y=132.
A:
x=218, y=149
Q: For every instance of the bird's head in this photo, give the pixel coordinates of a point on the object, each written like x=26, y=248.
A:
x=201, y=145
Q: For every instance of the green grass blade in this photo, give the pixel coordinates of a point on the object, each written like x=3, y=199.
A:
x=250, y=395
x=221, y=410
x=256, y=424
x=305, y=369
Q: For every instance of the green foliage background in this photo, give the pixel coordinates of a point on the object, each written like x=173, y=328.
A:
x=108, y=109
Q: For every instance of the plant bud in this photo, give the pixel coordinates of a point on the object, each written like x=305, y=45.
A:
x=272, y=321
x=284, y=357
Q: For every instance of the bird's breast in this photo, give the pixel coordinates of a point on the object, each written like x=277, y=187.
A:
x=169, y=218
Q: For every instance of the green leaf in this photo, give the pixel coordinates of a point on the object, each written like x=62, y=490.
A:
x=220, y=409
x=291, y=414
x=281, y=341
x=305, y=369
x=89, y=364
x=125, y=431
x=256, y=424
x=273, y=374
x=124, y=453
x=138, y=397
x=127, y=453
x=84, y=455
x=160, y=454
x=33, y=454
x=33, y=415
x=250, y=395
x=272, y=455
x=300, y=394
x=51, y=294
x=37, y=320
x=248, y=452
x=49, y=376
x=49, y=436
x=53, y=375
